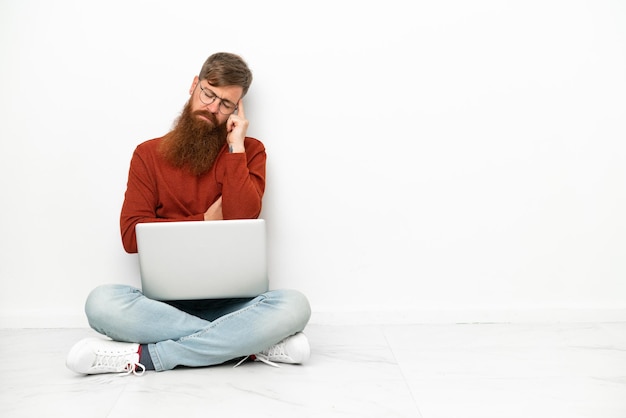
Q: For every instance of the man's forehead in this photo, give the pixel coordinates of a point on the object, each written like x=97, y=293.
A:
x=231, y=93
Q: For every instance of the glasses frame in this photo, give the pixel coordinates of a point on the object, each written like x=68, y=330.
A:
x=211, y=97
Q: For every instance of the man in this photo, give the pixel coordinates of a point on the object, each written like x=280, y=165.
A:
x=204, y=169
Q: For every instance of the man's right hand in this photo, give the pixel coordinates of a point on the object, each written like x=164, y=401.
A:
x=214, y=212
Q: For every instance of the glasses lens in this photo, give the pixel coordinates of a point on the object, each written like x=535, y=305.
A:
x=226, y=108
x=206, y=97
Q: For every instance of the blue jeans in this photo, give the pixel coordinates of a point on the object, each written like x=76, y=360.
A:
x=197, y=332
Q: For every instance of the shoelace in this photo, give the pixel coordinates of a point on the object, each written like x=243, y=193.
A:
x=257, y=357
x=132, y=368
x=117, y=361
x=264, y=359
x=276, y=351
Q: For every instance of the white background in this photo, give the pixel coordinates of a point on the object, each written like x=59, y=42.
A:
x=432, y=160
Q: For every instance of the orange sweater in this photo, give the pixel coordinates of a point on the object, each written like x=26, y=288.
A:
x=159, y=192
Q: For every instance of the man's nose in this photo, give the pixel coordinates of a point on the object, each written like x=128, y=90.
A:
x=214, y=107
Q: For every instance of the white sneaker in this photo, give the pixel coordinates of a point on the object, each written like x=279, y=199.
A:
x=292, y=350
x=97, y=355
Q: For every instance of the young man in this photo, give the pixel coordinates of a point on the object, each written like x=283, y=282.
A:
x=204, y=169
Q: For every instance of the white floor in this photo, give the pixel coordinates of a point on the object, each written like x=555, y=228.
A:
x=430, y=371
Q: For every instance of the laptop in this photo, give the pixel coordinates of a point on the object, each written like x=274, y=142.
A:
x=202, y=259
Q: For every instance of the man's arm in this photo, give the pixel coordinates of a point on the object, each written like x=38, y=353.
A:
x=141, y=200
x=242, y=177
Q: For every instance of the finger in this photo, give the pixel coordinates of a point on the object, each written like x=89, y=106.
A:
x=240, y=111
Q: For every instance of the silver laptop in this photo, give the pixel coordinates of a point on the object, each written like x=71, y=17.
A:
x=202, y=260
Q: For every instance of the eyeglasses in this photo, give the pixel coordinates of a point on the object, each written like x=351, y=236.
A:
x=226, y=107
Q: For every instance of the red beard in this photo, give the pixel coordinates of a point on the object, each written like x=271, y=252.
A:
x=194, y=143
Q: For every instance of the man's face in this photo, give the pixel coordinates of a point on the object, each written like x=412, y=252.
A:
x=218, y=112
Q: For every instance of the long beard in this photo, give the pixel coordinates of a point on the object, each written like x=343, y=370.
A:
x=194, y=143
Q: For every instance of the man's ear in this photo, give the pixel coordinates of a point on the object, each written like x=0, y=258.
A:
x=195, y=82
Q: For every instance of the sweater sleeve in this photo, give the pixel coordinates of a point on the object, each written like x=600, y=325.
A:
x=243, y=182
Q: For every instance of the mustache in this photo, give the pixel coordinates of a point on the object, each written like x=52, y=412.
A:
x=210, y=116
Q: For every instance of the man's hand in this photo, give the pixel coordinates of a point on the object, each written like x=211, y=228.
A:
x=237, y=126
x=214, y=212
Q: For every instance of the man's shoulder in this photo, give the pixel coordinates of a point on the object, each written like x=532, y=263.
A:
x=149, y=144
x=148, y=147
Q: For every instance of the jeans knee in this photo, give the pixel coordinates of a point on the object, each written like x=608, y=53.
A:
x=101, y=304
x=297, y=304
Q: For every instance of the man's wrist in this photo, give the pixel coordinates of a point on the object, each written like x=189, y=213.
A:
x=232, y=148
